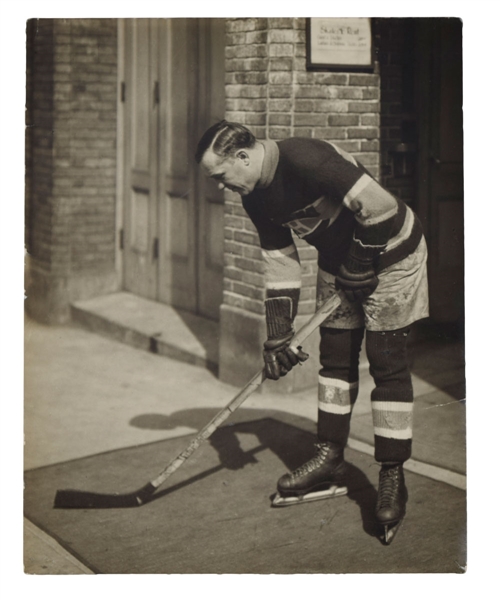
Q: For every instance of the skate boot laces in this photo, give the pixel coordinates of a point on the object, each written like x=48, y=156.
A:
x=314, y=463
x=389, y=487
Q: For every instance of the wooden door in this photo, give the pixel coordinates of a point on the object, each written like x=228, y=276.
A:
x=173, y=233
x=140, y=162
x=439, y=83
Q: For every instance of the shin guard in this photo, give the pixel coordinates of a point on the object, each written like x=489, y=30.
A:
x=338, y=383
x=392, y=398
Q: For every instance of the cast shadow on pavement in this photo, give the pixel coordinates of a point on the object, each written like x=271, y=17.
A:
x=437, y=355
x=289, y=437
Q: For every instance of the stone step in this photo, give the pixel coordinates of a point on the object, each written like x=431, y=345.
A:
x=151, y=326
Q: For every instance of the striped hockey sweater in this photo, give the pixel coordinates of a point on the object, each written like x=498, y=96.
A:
x=327, y=198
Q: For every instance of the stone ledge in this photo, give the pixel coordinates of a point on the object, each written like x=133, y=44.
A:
x=151, y=326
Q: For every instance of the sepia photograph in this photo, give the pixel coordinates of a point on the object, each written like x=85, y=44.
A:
x=244, y=296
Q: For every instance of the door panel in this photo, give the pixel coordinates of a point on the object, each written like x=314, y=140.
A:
x=177, y=219
x=181, y=48
x=139, y=94
x=139, y=220
x=140, y=202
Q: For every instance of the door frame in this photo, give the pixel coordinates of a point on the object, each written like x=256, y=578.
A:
x=120, y=155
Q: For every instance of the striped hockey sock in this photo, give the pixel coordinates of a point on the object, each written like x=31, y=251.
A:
x=338, y=382
x=392, y=398
x=336, y=399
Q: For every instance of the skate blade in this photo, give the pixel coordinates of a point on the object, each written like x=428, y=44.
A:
x=331, y=492
x=390, y=533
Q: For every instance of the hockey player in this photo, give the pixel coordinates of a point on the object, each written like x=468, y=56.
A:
x=371, y=252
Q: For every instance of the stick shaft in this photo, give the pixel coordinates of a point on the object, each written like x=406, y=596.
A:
x=304, y=332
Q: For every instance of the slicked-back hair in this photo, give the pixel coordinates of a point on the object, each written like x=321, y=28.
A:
x=226, y=137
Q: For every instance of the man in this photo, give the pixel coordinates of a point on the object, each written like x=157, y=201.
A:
x=371, y=252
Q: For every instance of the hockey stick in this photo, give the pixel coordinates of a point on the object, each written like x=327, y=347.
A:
x=80, y=499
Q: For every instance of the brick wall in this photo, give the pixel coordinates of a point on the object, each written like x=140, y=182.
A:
x=71, y=158
x=269, y=90
x=39, y=139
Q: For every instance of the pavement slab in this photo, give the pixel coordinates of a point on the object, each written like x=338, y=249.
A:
x=214, y=514
x=86, y=394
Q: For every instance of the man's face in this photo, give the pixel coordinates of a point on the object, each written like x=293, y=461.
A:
x=237, y=174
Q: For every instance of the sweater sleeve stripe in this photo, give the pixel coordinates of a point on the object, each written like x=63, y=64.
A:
x=282, y=268
x=404, y=233
x=405, y=247
x=381, y=218
x=374, y=235
x=282, y=285
x=288, y=251
x=370, y=203
x=350, y=199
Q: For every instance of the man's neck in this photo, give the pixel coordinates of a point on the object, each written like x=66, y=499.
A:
x=270, y=157
x=259, y=153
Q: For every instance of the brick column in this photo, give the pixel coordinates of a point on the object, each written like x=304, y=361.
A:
x=72, y=109
x=269, y=90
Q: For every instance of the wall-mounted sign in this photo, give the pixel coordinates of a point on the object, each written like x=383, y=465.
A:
x=339, y=44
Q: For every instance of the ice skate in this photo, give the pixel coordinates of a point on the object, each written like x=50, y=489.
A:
x=321, y=477
x=391, y=500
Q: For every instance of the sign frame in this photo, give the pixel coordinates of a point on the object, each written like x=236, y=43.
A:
x=335, y=61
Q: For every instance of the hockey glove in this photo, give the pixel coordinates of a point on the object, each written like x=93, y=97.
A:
x=357, y=286
x=279, y=358
x=356, y=277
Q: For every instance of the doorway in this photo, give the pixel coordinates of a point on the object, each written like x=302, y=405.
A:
x=172, y=90
x=440, y=162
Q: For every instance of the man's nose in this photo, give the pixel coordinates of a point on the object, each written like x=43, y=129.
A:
x=221, y=186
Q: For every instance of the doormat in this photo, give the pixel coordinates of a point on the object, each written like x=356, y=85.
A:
x=214, y=515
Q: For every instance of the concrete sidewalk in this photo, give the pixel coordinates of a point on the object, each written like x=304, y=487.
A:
x=86, y=394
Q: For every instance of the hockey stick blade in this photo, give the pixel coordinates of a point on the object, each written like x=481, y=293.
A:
x=81, y=499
